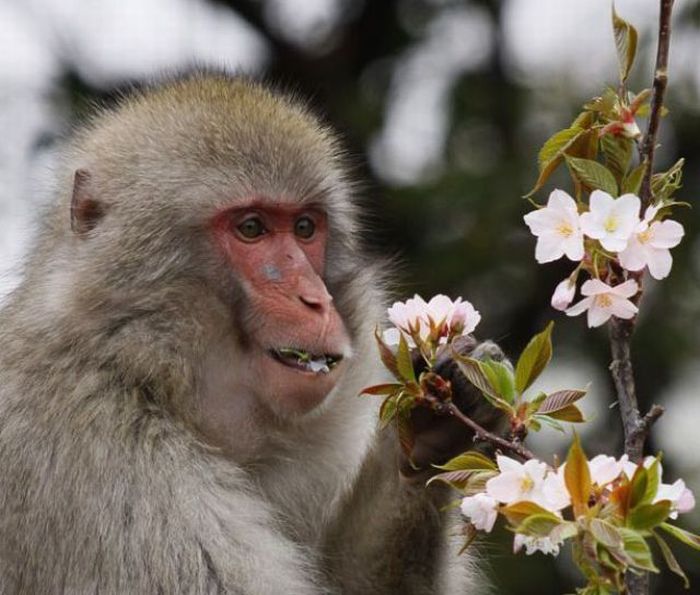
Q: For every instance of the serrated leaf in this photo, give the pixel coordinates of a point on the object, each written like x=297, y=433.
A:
x=670, y=559
x=539, y=525
x=473, y=371
x=577, y=477
x=636, y=548
x=501, y=378
x=387, y=355
x=534, y=359
x=552, y=423
x=570, y=413
x=455, y=479
x=626, y=44
x=472, y=461
x=633, y=180
x=592, y=174
x=552, y=153
x=682, y=535
x=560, y=400
x=618, y=153
x=382, y=389
x=606, y=533
x=648, y=516
x=404, y=363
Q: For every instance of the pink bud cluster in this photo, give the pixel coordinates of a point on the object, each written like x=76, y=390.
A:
x=438, y=320
x=612, y=228
x=536, y=482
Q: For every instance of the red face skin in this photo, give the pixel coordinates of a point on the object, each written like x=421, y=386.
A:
x=278, y=253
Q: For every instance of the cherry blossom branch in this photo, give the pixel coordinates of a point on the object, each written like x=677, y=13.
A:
x=636, y=427
x=648, y=145
x=481, y=433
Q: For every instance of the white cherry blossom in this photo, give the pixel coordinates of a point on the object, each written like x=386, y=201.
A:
x=535, y=544
x=518, y=481
x=481, y=510
x=604, y=469
x=557, y=228
x=610, y=220
x=563, y=294
x=603, y=301
x=650, y=245
x=554, y=489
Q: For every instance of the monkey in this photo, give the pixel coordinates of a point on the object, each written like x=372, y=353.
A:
x=182, y=362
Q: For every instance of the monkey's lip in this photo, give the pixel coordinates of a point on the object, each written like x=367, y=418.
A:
x=299, y=359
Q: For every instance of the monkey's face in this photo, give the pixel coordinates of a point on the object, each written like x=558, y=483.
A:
x=295, y=341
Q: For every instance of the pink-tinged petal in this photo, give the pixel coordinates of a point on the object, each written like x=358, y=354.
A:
x=651, y=212
x=604, y=469
x=686, y=502
x=439, y=308
x=594, y=287
x=633, y=258
x=505, y=487
x=622, y=308
x=580, y=308
x=597, y=315
x=660, y=263
x=563, y=295
x=548, y=248
x=573, y=247
x=666, y=234
x=626, y=289
x=542, y=221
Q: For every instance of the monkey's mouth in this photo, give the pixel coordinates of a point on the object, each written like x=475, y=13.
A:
x=304, y=361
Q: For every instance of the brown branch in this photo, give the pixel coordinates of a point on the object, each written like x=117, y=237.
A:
x=636, y=427
x=648, y=145
x=482, y=434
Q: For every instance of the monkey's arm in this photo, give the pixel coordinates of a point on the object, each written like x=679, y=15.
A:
x=392, y=536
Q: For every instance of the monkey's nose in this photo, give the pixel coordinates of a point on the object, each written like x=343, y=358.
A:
x=315, y=296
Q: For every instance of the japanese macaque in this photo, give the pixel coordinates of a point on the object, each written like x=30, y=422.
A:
x=180, y=370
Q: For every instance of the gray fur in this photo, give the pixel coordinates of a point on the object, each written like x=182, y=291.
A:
x=107, y=484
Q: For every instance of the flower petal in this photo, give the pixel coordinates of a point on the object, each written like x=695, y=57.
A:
x=622, y=308
x=597, y=315
x=548, y=248
x=626, y=289
x=666, y=234
x=580, y=308
x=660, y=263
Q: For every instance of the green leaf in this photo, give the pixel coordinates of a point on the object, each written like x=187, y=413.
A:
x=534, y=359
x=633, y=180
x=382, y=389
x=517, y=512
x=638, y=486
x=577, y=477
x=570, y=413
x=593, y=175
x=653, y=480
x=472, y=461
x=682, y=535
x=404, y=363
x=560, y=400
x=626, y=44
x=539, y=525
x=664, y=185
x=670, y=559
x=606, y=533
x=552, y=423
x=501, y=378
x=552, y=153
x=637, y=549
x=648, y=516
x=474, y=371
x=618, y=153
x=387, y=411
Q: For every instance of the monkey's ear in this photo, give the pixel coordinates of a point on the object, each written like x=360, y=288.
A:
x=85, y=210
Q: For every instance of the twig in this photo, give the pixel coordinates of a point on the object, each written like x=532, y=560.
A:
x=636, y=427
x=648, y=146
x=483, y=434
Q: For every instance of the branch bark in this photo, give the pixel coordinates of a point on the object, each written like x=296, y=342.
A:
x=636, y=427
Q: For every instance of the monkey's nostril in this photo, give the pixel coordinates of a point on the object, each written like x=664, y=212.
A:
x=313, y=302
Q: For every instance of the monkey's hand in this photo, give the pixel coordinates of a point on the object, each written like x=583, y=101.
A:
x=438, y=438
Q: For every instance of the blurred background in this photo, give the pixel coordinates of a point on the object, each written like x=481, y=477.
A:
x=443, y=105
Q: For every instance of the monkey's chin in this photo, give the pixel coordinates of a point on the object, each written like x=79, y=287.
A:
x=292, y=390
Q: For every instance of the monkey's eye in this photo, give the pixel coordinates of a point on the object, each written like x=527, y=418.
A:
x=251, y=228
x=304, y=227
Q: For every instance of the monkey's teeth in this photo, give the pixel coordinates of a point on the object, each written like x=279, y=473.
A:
x=319, y=366
x=302, y=360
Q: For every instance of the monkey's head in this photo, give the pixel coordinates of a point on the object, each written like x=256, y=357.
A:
x=211, y=221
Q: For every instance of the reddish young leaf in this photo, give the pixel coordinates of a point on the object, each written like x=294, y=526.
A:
x=577, y=477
